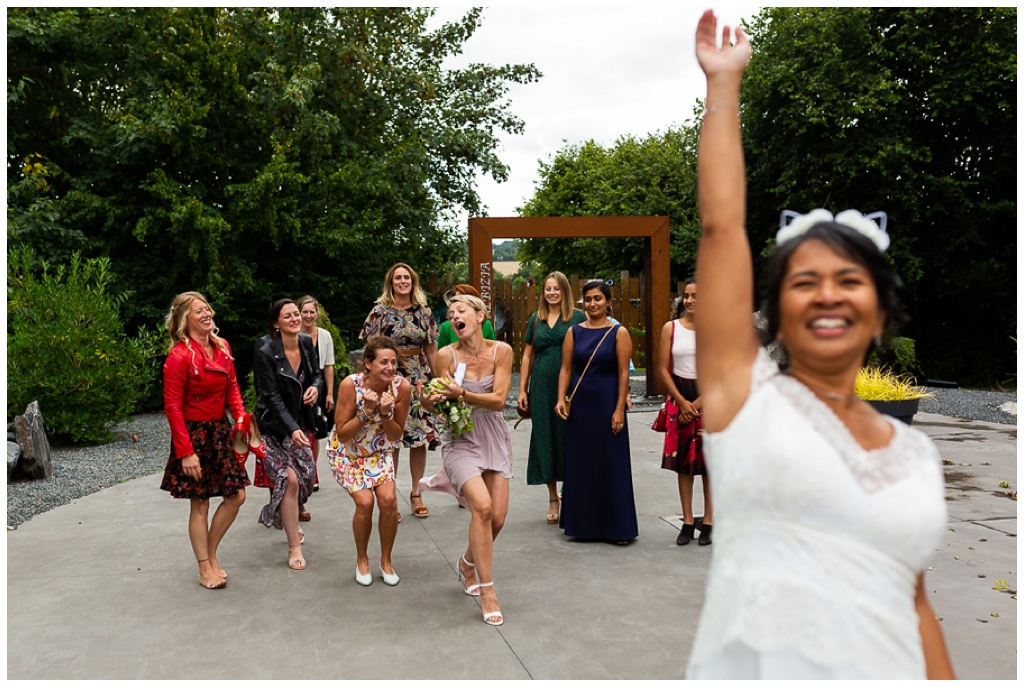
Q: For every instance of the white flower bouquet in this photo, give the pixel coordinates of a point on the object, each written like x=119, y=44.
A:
x=455, y=414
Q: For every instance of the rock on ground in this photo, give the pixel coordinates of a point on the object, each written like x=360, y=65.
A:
x=35, y=460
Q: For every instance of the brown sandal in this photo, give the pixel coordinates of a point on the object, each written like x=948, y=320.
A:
x=305, y=516
x=420, y=511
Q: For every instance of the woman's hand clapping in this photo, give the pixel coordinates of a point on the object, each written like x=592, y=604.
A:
x=386, y=405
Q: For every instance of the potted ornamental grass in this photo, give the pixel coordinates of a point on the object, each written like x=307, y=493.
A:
x=890, y=393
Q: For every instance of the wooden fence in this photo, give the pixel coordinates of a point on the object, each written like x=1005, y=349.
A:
x=513, y=307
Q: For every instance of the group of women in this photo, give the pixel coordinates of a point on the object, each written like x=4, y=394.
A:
x=829, y=511
x=378, y=410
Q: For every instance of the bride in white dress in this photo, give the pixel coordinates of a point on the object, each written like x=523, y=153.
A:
x=826, y=512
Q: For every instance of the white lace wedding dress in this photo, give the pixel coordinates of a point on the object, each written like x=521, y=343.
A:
x=818, y=542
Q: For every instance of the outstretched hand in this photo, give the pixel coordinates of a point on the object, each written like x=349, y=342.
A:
x=732, y=57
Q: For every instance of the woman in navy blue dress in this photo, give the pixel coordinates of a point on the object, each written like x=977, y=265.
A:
x=597, y=495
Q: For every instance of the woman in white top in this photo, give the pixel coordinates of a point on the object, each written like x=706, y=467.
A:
x=827, y=512
x=324, y=342
x=684, y=452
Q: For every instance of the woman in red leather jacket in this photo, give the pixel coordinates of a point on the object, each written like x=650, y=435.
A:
x=199, y=385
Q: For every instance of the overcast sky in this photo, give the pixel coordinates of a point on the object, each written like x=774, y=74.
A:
x=607, y=72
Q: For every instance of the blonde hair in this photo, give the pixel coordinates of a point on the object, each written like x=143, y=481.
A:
x=301, y=303
x=543, y=310
x=177, y=319
x=387, y=297
x=471, y=301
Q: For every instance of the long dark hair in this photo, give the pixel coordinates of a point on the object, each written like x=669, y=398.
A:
x=678, y=311
x=850, y=244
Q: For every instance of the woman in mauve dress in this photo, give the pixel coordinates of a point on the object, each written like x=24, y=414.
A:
x=478, y=462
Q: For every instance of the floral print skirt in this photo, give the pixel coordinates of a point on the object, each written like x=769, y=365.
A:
x=222, y=474
x=281, y=456
x=420, y=429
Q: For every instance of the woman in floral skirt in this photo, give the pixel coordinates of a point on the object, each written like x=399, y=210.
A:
x=199, y=386
x=288, y=383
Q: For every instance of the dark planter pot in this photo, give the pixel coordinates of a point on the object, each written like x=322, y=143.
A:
x=903, y=411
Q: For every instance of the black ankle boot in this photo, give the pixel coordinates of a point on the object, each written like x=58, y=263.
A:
x=705, y=535
x=685, y=535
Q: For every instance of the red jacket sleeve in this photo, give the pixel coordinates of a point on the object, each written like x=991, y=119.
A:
x=175, y=376
x=234, y=401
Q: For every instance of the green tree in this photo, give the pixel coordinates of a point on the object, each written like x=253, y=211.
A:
x=911, y=111
x=248, y=153
x=66, y=347
x=653, y=175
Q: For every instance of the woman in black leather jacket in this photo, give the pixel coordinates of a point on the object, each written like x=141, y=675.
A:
x=288, y=382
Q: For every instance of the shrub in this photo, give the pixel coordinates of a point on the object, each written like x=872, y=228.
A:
x=66, y=347
x=882, y=384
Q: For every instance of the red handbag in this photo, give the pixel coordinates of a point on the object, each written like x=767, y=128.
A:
x=661, y=422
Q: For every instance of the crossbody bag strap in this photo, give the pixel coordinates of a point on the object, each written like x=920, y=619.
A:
x=573, y=395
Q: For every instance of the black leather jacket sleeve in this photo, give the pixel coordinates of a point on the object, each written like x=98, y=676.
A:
x=272, y=403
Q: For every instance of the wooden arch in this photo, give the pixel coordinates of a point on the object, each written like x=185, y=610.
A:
x=654, y=230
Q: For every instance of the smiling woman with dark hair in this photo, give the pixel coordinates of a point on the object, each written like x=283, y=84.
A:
x=597, y=497
x=288, y=382
x=827, y=511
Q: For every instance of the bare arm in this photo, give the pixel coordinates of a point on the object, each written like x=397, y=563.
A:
x=524, y=377
x=936, y=658
x=665, y=363
x=726, y=343
x=565, y=373
x=430, y=350
x=623, y=351
x=346, y=424
x=329, y=380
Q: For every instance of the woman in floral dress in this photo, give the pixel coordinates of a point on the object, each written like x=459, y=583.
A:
x=402, y=314
x=369, y=423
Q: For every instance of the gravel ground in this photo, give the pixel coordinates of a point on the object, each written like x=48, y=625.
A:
x=82, y=471
x=971, y=405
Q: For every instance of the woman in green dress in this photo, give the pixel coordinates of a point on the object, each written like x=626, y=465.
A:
x=538, y=385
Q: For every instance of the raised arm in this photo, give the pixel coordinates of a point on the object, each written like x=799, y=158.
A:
x=726, y=345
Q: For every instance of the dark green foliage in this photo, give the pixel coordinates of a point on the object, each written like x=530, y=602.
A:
x=655, y=175
x=248, y=153
x=66, y=348
x=911, y=111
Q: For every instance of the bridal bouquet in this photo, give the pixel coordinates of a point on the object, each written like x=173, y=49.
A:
x=453, y=412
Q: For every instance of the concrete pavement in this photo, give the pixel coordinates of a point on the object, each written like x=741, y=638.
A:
x=105, y=587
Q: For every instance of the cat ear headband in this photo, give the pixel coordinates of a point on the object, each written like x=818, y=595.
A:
x=863, y=224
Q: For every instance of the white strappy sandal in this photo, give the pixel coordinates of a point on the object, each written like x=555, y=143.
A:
x=488, y=617
x=473, y=589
